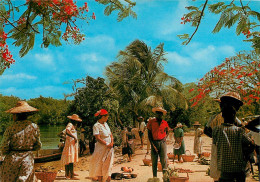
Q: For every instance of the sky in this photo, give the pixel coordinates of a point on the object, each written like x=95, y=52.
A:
x=50, y=72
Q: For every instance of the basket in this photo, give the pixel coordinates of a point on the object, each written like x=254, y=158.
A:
x=188, y=158
x=179, y=179
x=46, y=176
x=147, y=162
x=171, y=155
x=206, y=154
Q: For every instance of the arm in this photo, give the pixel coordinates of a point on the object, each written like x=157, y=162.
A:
x=5, y=142
x=68, y=132
x=37, y=145
x=109, y=145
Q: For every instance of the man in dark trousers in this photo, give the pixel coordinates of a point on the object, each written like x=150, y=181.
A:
x=229, y=140
x=158, y=130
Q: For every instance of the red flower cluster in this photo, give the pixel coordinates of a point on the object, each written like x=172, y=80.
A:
x=185, y=20
x=4, y=51
x=236, y=74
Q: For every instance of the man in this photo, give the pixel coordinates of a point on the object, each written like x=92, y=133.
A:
x=229, y=140
x=158, y=130
x=217, y=121
x=142, y=126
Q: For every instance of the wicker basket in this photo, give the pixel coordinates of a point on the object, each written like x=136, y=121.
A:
x=147, y=162
x=188, y=158
x=46, y=176
x=206, y=154
x=171, y=155
x=179, y=179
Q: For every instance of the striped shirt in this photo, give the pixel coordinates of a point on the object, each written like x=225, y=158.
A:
x=228, y=139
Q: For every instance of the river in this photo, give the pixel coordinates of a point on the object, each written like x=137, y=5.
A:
x=49, y=137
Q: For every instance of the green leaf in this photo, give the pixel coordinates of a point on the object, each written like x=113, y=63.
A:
x=216, y=8
x=242, y=24
x=17, y=9
x=192, y=8
x=183, y=36
x=255, y=14
x=222, y=20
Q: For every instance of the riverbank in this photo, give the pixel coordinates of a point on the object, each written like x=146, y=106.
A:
x=144, y=172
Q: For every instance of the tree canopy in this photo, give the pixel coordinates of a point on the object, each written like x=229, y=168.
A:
x=22, y=21
x=232, y=13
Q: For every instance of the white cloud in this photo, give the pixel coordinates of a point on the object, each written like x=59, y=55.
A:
x=19, y=76
x=176, y=58
x=44, y=59
x=92, y=57
x=101, y=41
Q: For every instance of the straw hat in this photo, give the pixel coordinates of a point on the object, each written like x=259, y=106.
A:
x=21, y=107
x=159, y=109
x=179, y=125
x=233, y=95
x=196, y=123
x=75, y=117
x=140, y=118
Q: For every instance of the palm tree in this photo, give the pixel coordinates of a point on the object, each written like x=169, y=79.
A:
x=139, y=80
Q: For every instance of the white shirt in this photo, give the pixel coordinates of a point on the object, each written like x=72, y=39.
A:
x=142, y=126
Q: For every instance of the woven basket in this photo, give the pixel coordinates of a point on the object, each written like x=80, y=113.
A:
x=46, y=176
x=206, y=154
x=147, y=162
x=171, y=155
x=188, y=158
x=179, y=179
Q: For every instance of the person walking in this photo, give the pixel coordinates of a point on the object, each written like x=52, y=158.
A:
x=197, y=148
x=70, y=151
x=102, y=158
x=158, y=130
x=142, y=127
x=179, y=146
x=229, y=140
x=19, y=140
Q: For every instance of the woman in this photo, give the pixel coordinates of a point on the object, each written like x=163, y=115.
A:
x=19, y=140
x=102, y=158
x=179, y=147
x=130, y=143
x=197, y=139
x=70, y=150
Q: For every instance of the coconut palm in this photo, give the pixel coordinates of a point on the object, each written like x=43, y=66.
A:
x=139, y=80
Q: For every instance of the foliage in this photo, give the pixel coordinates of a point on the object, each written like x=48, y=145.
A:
x=232, y=14
x=51, y=111
x=91, y=97
x=240, y=74
x=6, y=102
x=169, y=173
x=140, y=83
x=22, y=21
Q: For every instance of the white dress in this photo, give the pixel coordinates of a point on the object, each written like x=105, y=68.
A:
x=102, y=158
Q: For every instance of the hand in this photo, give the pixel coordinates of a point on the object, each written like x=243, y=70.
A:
x=110, y=145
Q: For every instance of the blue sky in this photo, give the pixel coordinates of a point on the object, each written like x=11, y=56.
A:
x=44, y=71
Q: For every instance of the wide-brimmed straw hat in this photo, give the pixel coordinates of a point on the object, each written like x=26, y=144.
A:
x=196, y=123
x=233, y=95
x=21, y=107
x=159, y=109
x=75, y=117
x=179, y=125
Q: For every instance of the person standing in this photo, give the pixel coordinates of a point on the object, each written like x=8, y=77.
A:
x=229, y=140
x=70, y=151
x=217, y=120
x=130, y=143
x=82, y=141
x=102, y=158
x=142, y=127
x=197, y=148
x=179, y=146
x=158, y=130
x=19, y=140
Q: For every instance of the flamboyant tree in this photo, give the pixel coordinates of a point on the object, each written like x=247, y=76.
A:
x=241, y=14
x=21, y=21
x=240, y=73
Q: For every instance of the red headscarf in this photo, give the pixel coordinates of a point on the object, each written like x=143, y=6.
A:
x=101, y=112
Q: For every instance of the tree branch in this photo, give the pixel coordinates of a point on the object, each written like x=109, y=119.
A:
x=243, y=7
x=202, y=11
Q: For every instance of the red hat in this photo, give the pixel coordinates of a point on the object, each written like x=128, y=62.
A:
x=101, y=112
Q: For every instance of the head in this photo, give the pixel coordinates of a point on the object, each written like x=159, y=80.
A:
x=21, y=111
x=140, y=119
x=129, y=128
x=179, y=125
x=159, y=112
x=75, y=120
x=196, y=124
x=102, y=115
x=229, y=105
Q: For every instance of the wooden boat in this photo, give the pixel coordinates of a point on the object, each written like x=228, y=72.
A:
x=45, y=155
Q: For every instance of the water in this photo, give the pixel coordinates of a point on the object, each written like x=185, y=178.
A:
x=49, y=137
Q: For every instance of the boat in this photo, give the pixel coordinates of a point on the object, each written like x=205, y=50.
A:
x=45, y=155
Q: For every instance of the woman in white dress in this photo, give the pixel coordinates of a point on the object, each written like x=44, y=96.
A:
x=102, y=158
x=197, y=139
x=70, y=150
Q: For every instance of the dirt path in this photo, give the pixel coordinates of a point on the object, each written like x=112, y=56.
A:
x=145, y=172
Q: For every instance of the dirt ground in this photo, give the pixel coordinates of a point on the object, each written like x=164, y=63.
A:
x=145, y=172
